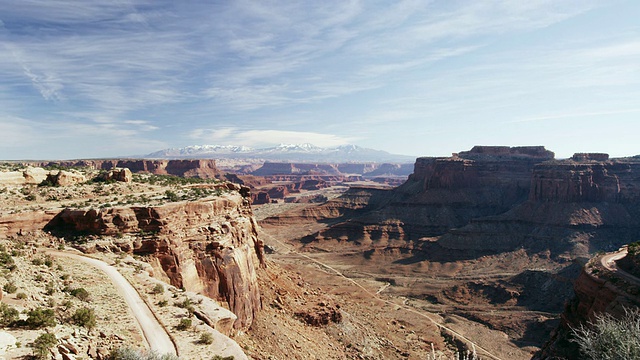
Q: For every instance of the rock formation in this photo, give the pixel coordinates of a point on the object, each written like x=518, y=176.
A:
x=64, y=178
x=208, y=246
x=443, y=194
x=117, y=174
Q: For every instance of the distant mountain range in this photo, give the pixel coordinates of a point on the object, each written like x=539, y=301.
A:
x=283, y=152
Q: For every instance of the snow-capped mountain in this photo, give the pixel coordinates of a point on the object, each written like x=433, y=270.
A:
x=283, y=152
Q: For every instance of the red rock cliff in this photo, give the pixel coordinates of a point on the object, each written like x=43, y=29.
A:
x=209, y=246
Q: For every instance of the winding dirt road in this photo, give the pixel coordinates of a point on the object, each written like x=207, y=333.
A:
x=156, y=336
x=609, y=262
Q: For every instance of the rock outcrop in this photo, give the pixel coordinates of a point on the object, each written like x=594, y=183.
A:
x=64, y=178
x=117, y=174
x=210, y=246
x=29, y=176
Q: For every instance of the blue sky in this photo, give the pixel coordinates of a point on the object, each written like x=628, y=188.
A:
x=90, y=78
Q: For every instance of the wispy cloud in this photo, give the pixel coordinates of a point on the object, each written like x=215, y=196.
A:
x=134, y=68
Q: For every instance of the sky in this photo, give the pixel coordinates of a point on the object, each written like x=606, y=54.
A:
x=87, y=79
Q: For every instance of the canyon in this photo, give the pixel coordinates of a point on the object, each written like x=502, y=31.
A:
x=489, y=249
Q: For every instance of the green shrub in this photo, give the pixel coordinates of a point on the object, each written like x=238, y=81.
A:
x=6, y=259
x=21, y=296
x=171, y=196
x=205, y=339
x=80, y=293
x=84, y=317
x=40, y=317
x=42, y=344
x=50, y=288
x=127, y=353
x=48, y=261
x=610, y=338
x=8, y=315
x=10, y=287
x=184, y=324
x=158, y=289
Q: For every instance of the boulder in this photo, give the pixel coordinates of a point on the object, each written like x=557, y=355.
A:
x=117, y=174
x=64, y=178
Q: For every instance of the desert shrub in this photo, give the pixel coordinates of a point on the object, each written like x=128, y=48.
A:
x=184, y=324
x=48, y=261
x=163, y=303
x=171, y=196
x=37, y=261
x=80, y=293
x=6, y=259
x=8, y=315
x=10, y=287
x=127, y=353
x=608, y=338
x=50, y=288
x=84, y=317
x=42, y=344
x=21, y=296
x=220, y=357
x=40, y=317
x=205, y=339
x=158, y=289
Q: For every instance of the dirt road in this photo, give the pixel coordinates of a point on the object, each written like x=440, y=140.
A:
x=156, y=336
x=609, y=262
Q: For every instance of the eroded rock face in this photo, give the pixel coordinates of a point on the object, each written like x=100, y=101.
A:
x=209, y=246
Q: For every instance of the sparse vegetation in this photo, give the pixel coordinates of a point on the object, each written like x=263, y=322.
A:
x=42, y=344
x=127, y=353
x=205, y=338
x=158, y=289
x=84, y=317
x=80, y=293
x=39, y=317
x=10, y=287
x=184, y=324
x=8, y=315
x=608, y=338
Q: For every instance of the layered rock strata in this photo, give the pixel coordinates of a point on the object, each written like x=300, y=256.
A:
x=210, y=246
x=444, y=193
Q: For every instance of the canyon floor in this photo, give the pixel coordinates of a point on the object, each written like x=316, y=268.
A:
x=395, y=303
